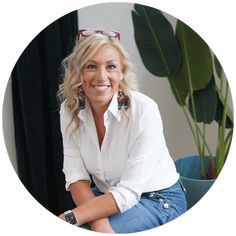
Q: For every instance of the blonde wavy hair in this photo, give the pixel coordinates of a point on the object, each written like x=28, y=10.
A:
x=74, y=64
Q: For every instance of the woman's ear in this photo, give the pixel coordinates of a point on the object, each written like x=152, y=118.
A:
x=123, y=71
x=123, y=68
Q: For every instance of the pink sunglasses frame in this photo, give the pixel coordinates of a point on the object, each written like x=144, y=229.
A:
x=97, y=31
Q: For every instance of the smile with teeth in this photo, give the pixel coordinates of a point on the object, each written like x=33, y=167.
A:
x=101, y=87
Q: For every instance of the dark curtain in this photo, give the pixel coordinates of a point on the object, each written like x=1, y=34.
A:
x=35, y=80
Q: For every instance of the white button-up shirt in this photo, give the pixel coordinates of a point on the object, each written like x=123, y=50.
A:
x=133, y=157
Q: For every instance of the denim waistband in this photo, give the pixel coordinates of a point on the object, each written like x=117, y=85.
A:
x=152, y=193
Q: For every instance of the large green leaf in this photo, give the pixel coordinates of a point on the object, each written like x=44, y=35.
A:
x=196, y=70
x=156, y=41
x=205, y=102
x=218, y=67
x=221, y=98
x=220, y=108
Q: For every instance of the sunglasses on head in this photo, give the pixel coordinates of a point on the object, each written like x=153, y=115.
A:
x=88, y=32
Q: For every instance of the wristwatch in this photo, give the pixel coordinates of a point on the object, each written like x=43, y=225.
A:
x=70, y=218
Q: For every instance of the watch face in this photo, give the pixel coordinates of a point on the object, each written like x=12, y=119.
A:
x=70, y=218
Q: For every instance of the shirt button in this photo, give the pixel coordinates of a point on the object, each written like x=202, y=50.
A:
x=166, y=205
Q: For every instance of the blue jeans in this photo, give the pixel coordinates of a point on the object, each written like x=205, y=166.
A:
x=154, y=209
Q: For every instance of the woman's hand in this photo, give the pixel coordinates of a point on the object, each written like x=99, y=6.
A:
x=62, y=216
x=102, y=226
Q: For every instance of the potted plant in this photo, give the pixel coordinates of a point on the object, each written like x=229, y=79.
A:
x=199, y=85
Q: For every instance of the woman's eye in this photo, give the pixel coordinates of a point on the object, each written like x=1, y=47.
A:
x=111, y=67
x=90, y=67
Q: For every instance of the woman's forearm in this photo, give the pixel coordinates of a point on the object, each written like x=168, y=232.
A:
x=81, y=192
x=96, y=208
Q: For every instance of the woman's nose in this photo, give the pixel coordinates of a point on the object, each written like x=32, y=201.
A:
x=102, y=73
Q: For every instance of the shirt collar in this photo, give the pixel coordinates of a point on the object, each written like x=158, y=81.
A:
x=113, y=109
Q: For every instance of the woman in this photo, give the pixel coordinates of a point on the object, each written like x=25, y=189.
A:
x=113, y=134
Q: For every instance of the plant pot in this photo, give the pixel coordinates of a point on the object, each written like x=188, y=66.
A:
x=189, y=169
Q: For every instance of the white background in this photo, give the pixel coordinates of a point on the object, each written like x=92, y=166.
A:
x=21, y=21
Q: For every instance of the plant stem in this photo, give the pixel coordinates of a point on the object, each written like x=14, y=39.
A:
x=193, y=106
x=183, y=108
x=197, y=129
x=205, y=143
x=228, y=141
x=222, y=148
x=203, y=137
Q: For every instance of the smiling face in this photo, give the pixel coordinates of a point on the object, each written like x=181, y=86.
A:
x=102, y=75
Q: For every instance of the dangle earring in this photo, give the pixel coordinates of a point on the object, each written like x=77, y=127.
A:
x=81, y=98
x=123, y=100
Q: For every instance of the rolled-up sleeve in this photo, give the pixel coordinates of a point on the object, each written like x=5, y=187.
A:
x=73, y=166
x=146, y=149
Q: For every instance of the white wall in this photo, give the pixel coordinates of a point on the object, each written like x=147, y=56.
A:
x=117, y=16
